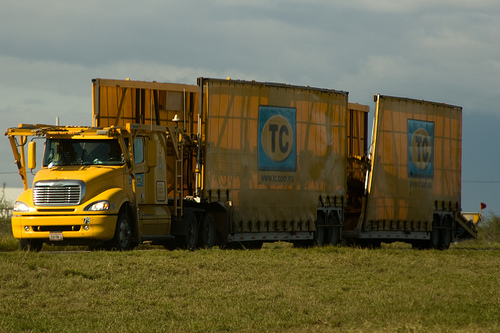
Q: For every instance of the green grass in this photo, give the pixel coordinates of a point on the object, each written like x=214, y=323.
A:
x=276, y=289
x=7, y=242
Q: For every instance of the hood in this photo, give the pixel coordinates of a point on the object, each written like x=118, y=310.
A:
x=96, y=178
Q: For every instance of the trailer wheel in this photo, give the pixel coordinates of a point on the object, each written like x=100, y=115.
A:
x=207, y=231
x=435, y=241
x=320, y=234
x=446, y=232
x=34, y=245
x=333, y=231
x=123, y=233
x=190, y=239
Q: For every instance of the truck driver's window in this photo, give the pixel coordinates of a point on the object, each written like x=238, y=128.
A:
x=139, y=150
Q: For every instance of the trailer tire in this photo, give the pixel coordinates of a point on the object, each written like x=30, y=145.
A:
x=207, y=231
x=435, y=241
x=190, y=239
x=446, y=232
x=320, y=234
x=334, y=232
x=34, y=245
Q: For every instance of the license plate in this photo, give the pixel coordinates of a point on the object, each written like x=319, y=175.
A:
x=56, y=236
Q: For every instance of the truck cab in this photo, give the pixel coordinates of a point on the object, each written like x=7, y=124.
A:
x=94, y=186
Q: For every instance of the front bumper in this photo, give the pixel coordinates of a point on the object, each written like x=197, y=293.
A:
x=73, y=228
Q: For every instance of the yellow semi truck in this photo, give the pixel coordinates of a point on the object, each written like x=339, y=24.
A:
x=230, y=162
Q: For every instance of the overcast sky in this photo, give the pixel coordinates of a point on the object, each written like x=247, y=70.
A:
x=443, y=51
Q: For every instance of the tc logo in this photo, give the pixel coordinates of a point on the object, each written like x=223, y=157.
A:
x=277, y=139
x=420, y=148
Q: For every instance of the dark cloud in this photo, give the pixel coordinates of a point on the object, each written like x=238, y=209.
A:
x=445, y=51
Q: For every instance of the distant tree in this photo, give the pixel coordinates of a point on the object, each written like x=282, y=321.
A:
x=5, y=205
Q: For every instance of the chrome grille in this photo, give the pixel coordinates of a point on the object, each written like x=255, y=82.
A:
x=58, y=193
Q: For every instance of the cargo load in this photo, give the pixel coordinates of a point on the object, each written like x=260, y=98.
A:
x=413, y=190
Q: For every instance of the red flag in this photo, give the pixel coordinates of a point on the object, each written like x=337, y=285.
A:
x=483, y=205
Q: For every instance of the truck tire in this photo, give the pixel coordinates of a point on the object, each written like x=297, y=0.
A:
x=321, y=231
x=435, y=241
x=34, y=245
x=334, y=232
x=446, y=232
x=122, y=240
x=190, y=239
x=207, y=232
x=335, y=236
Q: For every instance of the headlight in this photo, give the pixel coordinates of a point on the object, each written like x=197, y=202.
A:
x=20, y=206
x=98, y=206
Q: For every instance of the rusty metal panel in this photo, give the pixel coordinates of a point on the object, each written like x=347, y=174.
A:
x=118, y=102
x=279, y=151
x=357, y=130
x=415, y=163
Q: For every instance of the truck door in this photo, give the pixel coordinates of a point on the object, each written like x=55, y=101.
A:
x=150, y=180
x=140, y=169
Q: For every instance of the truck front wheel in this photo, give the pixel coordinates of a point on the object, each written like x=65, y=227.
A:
x=122, y=240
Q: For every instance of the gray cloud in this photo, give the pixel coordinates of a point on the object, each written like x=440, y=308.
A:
x=446, y=51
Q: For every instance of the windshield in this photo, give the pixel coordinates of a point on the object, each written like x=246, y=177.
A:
x=82, y=152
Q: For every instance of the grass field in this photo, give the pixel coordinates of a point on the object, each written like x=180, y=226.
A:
x=276, y=289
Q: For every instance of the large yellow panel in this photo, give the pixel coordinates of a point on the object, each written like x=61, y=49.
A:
x=416, y=162
x=118, y=102
x=278, y=150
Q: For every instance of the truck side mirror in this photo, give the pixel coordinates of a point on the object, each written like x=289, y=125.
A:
x=32, y=155
x=152, y=154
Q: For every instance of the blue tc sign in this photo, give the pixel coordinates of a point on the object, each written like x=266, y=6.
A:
x=277, y=149
x=420, y=148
